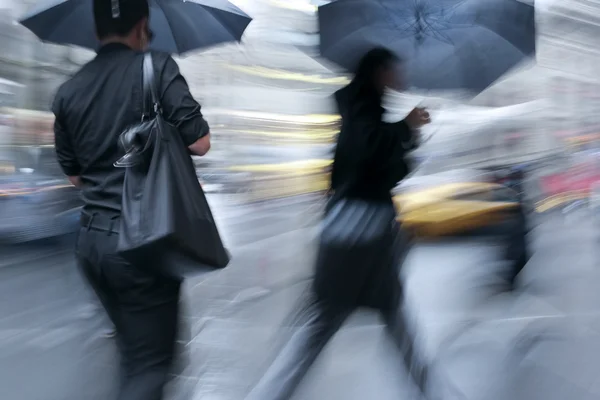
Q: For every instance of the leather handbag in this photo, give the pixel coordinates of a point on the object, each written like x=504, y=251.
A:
x=164, y=209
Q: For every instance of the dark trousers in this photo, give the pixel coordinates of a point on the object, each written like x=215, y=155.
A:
x=143, y=307
x=517, y=250
x=375, y=285
x=321, y=321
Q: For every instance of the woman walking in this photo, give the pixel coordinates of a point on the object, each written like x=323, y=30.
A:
x=361, y=247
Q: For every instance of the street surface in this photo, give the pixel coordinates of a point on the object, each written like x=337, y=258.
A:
x=541, y=343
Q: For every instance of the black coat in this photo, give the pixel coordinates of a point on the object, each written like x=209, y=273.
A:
x=370, y=157
x=361, y=246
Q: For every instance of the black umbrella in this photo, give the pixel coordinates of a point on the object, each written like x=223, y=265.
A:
x=179, y=26
x=447, y=44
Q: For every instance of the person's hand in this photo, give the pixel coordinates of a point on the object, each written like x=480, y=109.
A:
x=417, y=118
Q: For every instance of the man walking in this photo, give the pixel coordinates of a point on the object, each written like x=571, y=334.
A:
x=92, y=109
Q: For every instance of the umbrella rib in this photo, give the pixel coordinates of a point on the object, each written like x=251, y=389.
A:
x=406, y=29
x=56, y=26
x=158, y=4
x=437, y=33
x=388, y=14
x=457, y=54
x=504, y=39
x=359, y=30
x=455, y=6
x=210, y=10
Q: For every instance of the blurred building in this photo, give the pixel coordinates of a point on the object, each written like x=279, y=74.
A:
x=268, y=100
x=563, y=76
x=41, y=68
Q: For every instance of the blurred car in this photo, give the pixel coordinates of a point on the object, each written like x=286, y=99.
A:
x=567, y=187
x=519, y=178
x=454, y=208
x=512, y=177
x=449, y=203
x=36, y=207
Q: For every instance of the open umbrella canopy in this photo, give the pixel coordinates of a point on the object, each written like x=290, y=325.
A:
x=447, y=44
x=179, y=26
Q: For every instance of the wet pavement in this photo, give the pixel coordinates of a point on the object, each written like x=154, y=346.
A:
x=539, y=343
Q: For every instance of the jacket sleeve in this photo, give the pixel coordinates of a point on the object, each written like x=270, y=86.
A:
x=407, y=137
x=179, y=106
x=388, y=145
x=63, y=145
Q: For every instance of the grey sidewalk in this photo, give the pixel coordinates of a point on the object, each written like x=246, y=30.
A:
x=540, y=344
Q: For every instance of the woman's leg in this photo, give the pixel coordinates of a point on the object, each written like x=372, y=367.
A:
x=391, y=305
x=318, y=322
x=398, y=327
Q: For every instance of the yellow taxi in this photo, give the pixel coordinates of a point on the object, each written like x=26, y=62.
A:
x=454, y=208
x=435, y=210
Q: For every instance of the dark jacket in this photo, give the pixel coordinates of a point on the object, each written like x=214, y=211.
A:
x=370, y=157
x=98, y=103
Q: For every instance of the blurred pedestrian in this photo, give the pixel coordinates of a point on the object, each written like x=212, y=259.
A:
x=517, y=251
x=362, y=246
x=92, y=109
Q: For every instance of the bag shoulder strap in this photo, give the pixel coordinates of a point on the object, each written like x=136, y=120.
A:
x=149, y=88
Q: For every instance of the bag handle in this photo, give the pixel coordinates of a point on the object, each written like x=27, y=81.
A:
x=129, y=140
x=149, y=89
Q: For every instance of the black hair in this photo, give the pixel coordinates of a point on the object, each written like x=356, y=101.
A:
x=373, y=60
x=119, y=20
x=363, y=84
